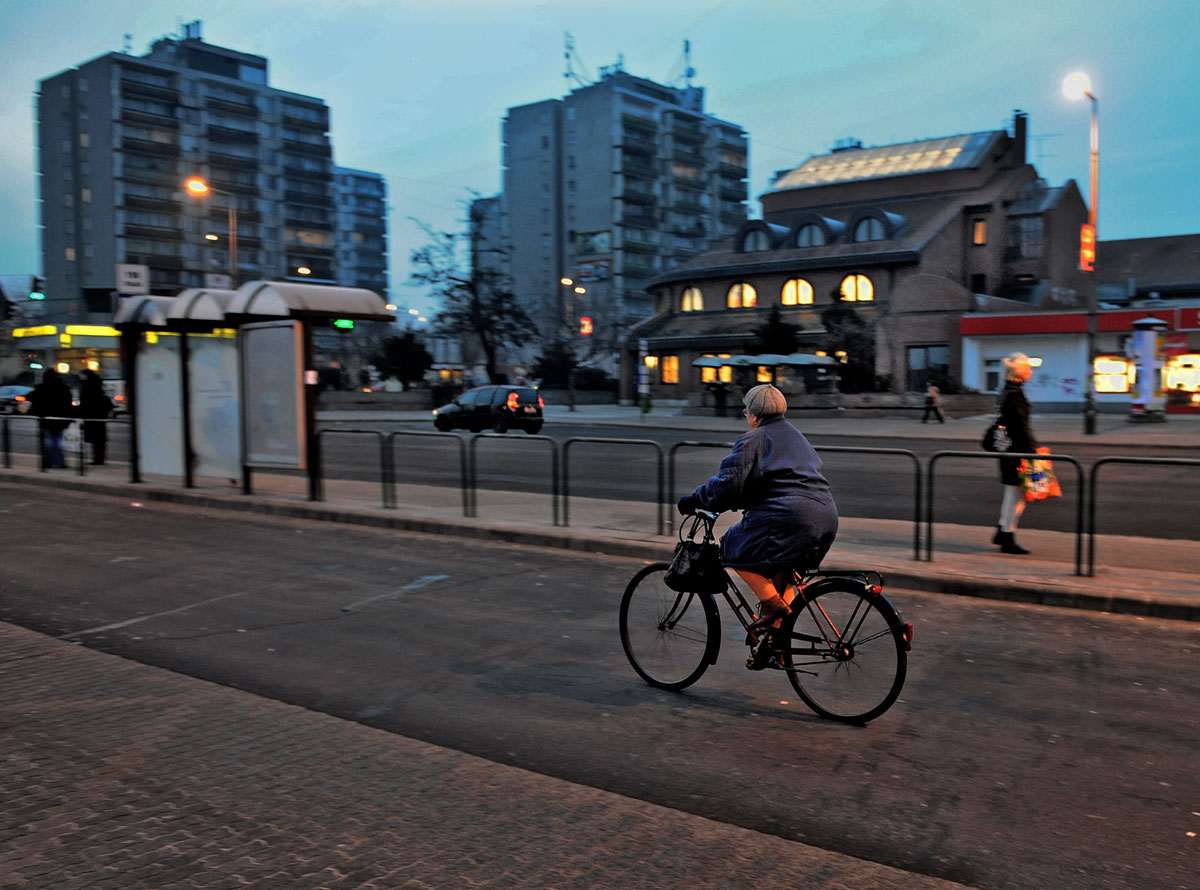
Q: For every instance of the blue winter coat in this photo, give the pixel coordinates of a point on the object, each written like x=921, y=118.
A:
x=773, y=475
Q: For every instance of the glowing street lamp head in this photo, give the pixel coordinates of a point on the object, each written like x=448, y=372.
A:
x=304, y=270
x=212, y=237
x=197, y=186
x=566, y=281
x=1077, y=86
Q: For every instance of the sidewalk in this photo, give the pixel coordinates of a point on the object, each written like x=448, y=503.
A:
x=120, y=776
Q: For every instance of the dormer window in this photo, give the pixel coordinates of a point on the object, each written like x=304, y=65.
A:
x=755, y=241
x=741, y=296
x=868, y=229
x=693, y=300
x=810, y=235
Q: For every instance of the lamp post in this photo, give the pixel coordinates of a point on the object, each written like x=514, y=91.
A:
x=198, y=188
x=1079, y=86
x=573, y=289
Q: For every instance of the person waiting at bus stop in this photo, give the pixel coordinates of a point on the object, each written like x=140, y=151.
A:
x=789, y=518
x=52, y=399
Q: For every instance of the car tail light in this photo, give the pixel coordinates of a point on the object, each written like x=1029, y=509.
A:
x=20, y=398
x=541, y=404
x=513, y=401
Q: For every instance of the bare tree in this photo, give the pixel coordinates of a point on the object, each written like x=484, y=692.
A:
x=468, y=274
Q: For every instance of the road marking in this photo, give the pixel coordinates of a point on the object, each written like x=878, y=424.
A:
x=116, y=625
x=423, y=581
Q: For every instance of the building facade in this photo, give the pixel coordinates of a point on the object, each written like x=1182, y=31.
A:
x=118, y=136
x=608, y=187
x=907, y=237
x=360, y=230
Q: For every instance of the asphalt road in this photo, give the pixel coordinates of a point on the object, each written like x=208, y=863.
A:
x=1032, y=747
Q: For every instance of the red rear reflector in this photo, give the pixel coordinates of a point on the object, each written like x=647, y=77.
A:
x=876, y=589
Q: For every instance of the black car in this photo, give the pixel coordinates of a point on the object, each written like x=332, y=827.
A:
x=498, y=408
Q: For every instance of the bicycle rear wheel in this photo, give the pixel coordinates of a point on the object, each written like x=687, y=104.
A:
x=846, y=654
x=670, y=638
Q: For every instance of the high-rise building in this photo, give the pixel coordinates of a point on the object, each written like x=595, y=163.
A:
x=119, y=135
x=360, y=229
x=609, y=186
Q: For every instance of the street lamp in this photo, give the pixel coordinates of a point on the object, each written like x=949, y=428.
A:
x=198, y=188
x=570, y=307
x=1079, y=86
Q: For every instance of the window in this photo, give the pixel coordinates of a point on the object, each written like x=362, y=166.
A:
x=85, y=195
x=857, y=289
x=797, y=292
x=70, y=254
x=926, y=365
x=979, y=232
x=869, y=229
x=670, y=369
x=763, y=374
x=84, y=140
x=693, y=300
x=810, y=235
x=741, y=296
x=1112, y=373
x=1025, y=238
x=724, y=374
x=755, y=241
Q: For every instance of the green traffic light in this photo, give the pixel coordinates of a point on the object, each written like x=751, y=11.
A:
x=36, y=366
x=344, y=323
x=36, y=295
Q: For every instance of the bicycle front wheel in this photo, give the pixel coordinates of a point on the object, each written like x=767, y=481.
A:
x=845, y=651
x=670, y=638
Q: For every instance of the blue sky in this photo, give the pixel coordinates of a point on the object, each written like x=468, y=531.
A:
x=418, y=90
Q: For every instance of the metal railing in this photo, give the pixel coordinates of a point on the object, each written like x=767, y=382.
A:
x=644, y=443
x=1095, y=474
x=473, y=464
x=976, y=455
x=385, y=469
x=80, y=452
x=464, y=479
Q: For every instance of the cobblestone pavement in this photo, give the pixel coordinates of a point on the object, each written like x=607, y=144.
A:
x=114, y=774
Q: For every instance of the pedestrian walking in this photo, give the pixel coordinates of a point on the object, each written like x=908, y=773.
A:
x=52, y=399
x=1014, y=415
x=933, y=405
x=94, y=405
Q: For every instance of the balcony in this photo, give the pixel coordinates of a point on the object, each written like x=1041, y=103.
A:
x=731, y=171
x=730, y=192
x=688, y=204
x=246, y=109
x=164, y=175
x=142, y=202
x=232, y=136
x=689, y=134
x=146, y=147
x=314, y=175
x=155, y=261
x=687, y=156
x=637, y=220
x=631, y=167
x=640, y=126
x=633, y=246
x=153, y=233
x=296, y=196
x=317, y=126
x=732, y=219
x=638, y=196
x=233, y=186
x=636, y=143
x=308, y=148
x=149, y=91
x=132, y=116
x=233, y=162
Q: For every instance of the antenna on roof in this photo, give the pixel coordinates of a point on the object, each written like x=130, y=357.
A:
x=127, y=46
x=570, y=55
x=688, y=71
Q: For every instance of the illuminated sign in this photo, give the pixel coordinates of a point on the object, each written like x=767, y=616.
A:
x=1087, y=248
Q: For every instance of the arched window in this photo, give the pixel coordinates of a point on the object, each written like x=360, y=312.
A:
x=693, y=300
x=755, y=241
x=857, y=289
x=742, y=296
x=797, y=292
x=810, y=235
x=868, y=229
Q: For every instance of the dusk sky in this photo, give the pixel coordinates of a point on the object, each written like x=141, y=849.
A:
x=418, y=91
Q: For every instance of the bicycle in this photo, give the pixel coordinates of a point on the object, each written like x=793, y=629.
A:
x=844, y=646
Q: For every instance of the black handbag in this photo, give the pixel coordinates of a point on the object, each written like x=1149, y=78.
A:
x=696, y=565
x=996, y=438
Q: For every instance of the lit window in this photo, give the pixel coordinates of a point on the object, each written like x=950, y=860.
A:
x=763, y=375
x=711, y=375
x=670, y=369
x=1112, y=373
x=979, y=232
x=755, y=241
x=742, y=296
x=857, y=289
x=810, y=235
x=70, y=254
x=652, y=362
x=869, y=229
x=85, y=195
x=84, y=140
x=693, y=300
x=797, y=292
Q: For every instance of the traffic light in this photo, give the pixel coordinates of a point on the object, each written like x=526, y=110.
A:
x=1087, y=248
x=346, y=324
x=35, y=289
x=585, y=325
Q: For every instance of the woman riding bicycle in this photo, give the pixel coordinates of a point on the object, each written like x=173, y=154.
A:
x=789, y=519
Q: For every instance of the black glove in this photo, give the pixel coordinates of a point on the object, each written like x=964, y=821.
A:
x=688, y=504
